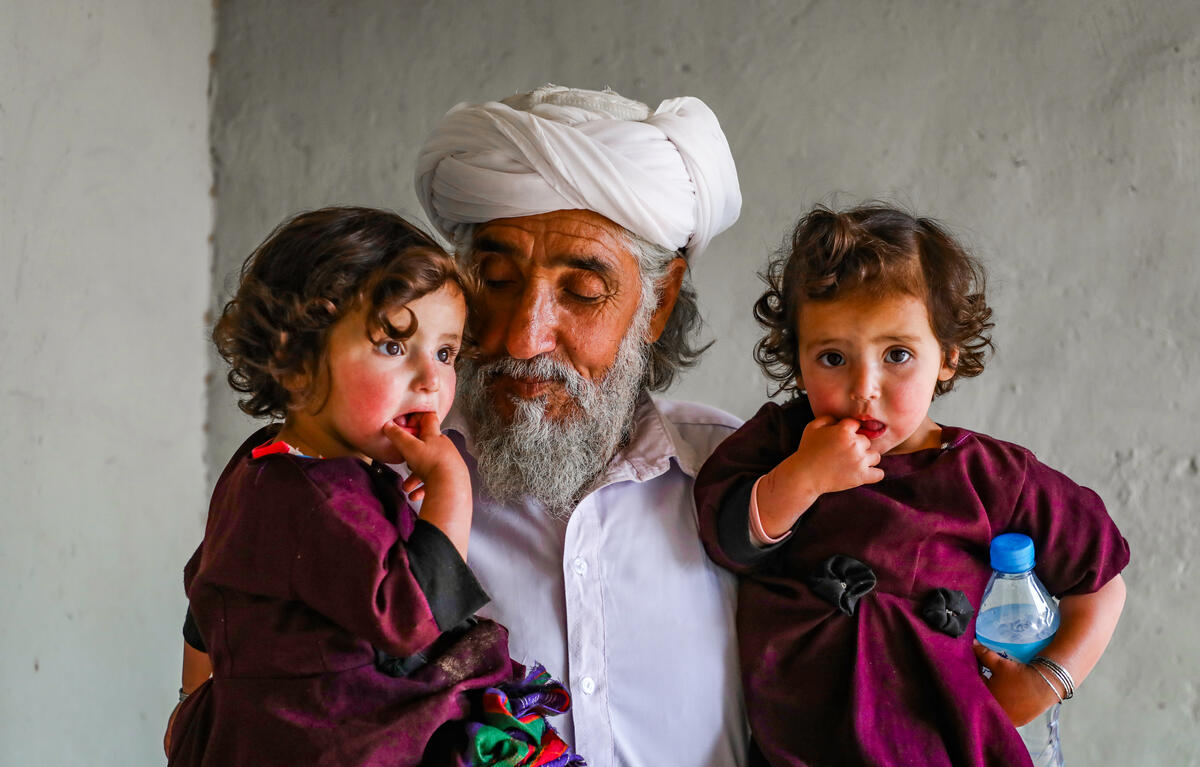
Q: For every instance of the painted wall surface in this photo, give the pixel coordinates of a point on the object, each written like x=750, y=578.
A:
x=1060, y=140
x=105, y=216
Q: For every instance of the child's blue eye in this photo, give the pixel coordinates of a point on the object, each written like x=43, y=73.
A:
x=447, y=354
x=390, y=347
x=898, y=355
x=831, y=359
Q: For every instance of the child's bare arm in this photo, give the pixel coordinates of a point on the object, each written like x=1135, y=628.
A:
x=832, y=456
x=442, y=476
x=197, y=668
x=1088, y=622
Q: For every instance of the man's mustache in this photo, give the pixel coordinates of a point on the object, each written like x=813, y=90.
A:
x=543, y=366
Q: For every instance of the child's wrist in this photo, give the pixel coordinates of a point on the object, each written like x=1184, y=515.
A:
x=771, y=494
x=791, y=491
x=449, y=488
x=451, y=471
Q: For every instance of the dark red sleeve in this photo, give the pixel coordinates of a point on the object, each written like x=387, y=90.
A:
x=1078, y=546
x=352, y=564
x=331, y=535
x=723, y=484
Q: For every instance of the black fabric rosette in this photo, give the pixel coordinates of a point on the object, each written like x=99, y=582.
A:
x=842, y=581
x=948, y=611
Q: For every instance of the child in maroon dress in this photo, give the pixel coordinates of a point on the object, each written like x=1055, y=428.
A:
x=339, y=623
x=861, y=527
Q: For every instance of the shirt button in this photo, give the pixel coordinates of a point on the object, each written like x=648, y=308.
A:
x=588, y=685
x=579, y=566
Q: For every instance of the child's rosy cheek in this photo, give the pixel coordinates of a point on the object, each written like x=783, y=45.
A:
x=371, y=393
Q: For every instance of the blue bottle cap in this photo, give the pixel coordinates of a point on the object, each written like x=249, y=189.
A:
x=1012, y=553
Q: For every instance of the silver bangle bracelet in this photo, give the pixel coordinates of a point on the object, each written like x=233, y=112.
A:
x=183, y=695
x=1048, y=682
x=1064, y=676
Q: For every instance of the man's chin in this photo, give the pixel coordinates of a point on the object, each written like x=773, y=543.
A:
x=552, y=399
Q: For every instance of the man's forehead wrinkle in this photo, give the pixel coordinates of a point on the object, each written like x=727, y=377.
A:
x=602, y=252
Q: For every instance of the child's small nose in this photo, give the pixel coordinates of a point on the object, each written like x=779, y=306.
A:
x=427, y=377
x=865, y=384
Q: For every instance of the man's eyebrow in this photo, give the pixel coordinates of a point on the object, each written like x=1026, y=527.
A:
x=584, y=261
x=587, y=263
x=487, y=244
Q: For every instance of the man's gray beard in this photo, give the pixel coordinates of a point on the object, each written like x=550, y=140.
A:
x=554, y=461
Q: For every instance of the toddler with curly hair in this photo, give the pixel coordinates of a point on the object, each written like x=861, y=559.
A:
x=339, y=624
x=861, y=527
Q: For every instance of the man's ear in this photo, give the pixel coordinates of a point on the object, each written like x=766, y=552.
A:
x=668, y=292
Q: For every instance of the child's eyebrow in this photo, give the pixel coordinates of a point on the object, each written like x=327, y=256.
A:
x=877, y=339
x=823, y=342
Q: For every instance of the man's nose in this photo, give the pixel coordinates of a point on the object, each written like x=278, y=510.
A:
x=532, y=325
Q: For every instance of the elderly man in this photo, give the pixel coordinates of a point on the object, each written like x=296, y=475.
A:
x=580, y=211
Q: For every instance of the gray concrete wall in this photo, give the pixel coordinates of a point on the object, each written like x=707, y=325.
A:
x=1058, y=139
x=104, y=280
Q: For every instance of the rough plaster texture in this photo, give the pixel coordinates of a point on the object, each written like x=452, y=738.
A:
x=105, y=215
x=1059, y=139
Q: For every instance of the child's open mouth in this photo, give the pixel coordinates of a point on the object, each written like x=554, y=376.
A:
x=872, y=429
x=408, y=421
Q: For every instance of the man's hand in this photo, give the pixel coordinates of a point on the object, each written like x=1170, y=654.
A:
x=1016, y=686
x=832, y=456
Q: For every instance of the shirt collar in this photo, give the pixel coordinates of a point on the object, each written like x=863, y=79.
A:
x=654, y=444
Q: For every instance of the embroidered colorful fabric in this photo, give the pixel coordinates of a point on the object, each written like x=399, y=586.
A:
x=512, y=730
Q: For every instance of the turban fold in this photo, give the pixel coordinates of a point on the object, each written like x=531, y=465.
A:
x=667, y=175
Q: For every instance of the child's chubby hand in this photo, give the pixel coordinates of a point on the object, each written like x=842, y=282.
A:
x=430, y=455
x=836, y=456
x=832, y=456
x=1016, y=686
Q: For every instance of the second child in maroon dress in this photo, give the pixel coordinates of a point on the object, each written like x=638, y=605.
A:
x=861, y=527
x=340, y=623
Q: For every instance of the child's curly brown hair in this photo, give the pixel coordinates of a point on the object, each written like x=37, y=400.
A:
x=311, y=271
x=881, y=250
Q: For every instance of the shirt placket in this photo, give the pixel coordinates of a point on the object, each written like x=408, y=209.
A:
x=585, y=635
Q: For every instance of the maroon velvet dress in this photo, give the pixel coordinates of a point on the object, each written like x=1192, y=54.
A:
x=880, y=684
x=339, y=624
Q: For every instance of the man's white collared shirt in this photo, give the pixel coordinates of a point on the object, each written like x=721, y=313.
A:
x=621, y=603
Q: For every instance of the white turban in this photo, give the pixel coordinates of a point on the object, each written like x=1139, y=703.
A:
x=666, y=176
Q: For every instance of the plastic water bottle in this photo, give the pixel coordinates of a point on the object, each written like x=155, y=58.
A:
x=1017, y=618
